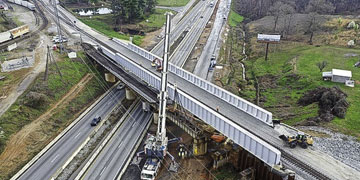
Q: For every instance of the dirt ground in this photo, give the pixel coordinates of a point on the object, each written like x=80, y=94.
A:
x=33, y=137
x=151, y=39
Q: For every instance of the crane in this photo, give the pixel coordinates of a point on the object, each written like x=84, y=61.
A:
x=156, y=146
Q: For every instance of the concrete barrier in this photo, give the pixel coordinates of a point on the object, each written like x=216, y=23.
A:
x=96, y=129
x=103, y=144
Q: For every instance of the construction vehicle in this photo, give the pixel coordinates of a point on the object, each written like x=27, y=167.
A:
x=301, y=138
x=155, y=148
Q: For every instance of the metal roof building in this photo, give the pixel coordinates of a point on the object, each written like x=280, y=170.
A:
x=338, y=75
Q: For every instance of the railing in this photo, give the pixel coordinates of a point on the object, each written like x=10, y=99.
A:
x=244, y=138
x=240, y=103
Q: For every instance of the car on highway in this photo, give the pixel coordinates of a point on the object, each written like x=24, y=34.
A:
x=95, y=121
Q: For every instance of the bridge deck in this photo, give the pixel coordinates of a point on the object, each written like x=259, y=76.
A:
x=242, y=119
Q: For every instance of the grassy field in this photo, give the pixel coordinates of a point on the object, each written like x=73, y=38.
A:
x=20, y=113
x=290, y=73
x=105, y=25
x=235, y=18
x=172, y=3
x=155, y=20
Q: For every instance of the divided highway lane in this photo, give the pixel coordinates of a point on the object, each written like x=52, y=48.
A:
x=182, y=52
x=185, y=24
x=112, y=158
x=57, y=155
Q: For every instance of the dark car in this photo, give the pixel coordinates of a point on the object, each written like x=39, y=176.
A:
x=95, y=121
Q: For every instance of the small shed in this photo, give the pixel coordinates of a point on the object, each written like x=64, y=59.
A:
x=337, y=75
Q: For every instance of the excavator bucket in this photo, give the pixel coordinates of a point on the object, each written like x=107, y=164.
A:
x=309, y=141
x=283, y=137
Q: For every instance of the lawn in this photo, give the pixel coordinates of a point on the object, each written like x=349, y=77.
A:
x=295, y=72
x=172, y=3
x=235, y=18
x=155, y=21
x=103, y=24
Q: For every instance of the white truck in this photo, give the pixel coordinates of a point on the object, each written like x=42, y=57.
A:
x=150, y=169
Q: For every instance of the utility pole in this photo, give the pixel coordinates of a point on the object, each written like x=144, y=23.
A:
x=58, y=25
x=47, y=65
x=49, y=59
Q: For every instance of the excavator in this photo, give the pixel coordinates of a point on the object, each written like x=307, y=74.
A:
x=301, y=138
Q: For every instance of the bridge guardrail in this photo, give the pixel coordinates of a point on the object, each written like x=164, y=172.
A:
x=239, y=135
x=236, y=101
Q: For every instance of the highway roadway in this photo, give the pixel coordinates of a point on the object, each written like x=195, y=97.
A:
x=212, y=46
x=185, y=24
x=113, y=157
x=60, y=152
x=182, y=52
x=239, y=117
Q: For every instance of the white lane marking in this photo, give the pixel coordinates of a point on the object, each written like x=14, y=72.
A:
x=77, y=135
x=103, y=170
x=133, y=124
x=120, y=144
x=55, y=158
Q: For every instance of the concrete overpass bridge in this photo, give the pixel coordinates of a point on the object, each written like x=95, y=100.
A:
x=236, y=118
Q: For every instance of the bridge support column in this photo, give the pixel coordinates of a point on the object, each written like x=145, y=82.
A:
x=200, y=146
x=110, y=77
x=156, y=117
x=130, y=95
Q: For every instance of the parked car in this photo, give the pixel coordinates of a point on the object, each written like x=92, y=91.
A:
x=95, y=121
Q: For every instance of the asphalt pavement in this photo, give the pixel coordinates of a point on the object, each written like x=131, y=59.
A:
x=177, y=29
x=212, y=46
x=113, y=157
x=182, y=52
x=60, y=152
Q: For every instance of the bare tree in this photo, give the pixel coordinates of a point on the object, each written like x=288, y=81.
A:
x=276, y=11
x=321, y=65
x=314, y=8
x=288, y=15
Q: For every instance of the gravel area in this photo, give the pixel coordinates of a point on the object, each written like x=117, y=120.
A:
x=341, y=147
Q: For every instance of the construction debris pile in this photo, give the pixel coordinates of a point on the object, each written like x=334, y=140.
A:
x=332, y=102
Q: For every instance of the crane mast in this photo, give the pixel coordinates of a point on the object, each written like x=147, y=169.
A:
x=161, y=131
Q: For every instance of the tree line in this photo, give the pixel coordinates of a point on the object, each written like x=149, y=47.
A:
x=285, y=10
x=255, y=9
x=130, y=10
x=125, y=10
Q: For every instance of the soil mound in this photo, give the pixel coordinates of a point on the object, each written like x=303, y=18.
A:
x=332, y=102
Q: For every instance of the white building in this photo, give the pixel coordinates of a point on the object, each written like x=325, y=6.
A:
x=337, y=75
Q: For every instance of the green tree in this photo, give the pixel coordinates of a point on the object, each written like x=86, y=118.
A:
x=131, y=10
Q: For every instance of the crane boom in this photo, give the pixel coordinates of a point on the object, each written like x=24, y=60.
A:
x=161, y=131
